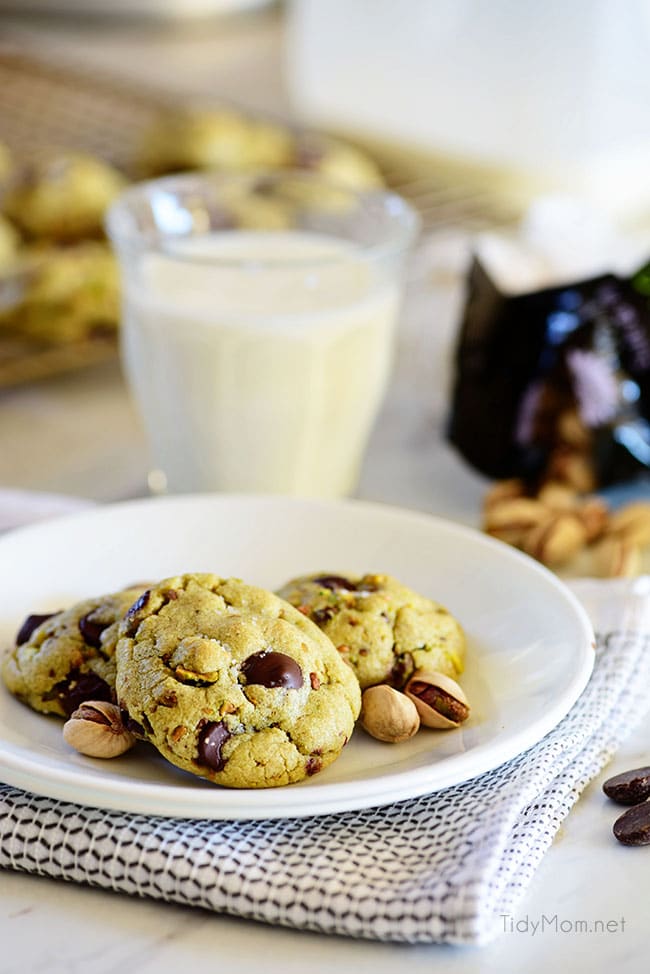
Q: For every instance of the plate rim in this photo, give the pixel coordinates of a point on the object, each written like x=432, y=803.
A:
x=329, y=797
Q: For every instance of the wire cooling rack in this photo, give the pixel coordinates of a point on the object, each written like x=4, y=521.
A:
x=45, y=105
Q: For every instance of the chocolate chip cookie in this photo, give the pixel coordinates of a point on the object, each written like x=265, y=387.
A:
x=337, y=162
x=63, y=658
x=62, y=196
x=64, y=294
x=233, y=684
x=381, y=628
x=218, y=139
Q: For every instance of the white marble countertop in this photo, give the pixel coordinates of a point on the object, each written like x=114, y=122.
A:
x=79, y=435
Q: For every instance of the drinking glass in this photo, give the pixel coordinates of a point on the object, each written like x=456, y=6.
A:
x=259, y=315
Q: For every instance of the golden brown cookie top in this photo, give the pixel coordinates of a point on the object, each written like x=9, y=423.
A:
x=63, y=658
x=381, y=628
x=230, y=682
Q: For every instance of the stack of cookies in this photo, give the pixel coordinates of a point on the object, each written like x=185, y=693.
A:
x=59, y=281
x=228, y=681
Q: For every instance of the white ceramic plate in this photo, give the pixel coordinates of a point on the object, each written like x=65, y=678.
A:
x=530, y=652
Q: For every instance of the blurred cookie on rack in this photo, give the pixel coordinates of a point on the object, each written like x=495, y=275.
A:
x=6, y=164
x=62, y=196
x=226, y=140
x=9, y=245
x=63, y=294
x=212, y=139
x=338, y=162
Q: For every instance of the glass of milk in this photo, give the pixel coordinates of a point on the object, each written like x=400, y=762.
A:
x=259, y=317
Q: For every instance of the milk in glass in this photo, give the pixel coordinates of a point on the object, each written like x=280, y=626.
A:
x=259, y=359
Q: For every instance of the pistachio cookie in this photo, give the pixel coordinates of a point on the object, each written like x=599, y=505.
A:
x=338, y=162
x=63, y=196
x=222, y=140
x=65, y=294
x=9, y=243
x=382, y=629
x=63, y=658
x=233, y=684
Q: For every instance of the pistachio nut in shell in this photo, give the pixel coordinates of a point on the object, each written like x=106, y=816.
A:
x=96, y=729
x=556, y=539
x=633, y=522
x=514, y=512
x=615, y=556
x=388, y=715
x=504, y=490
x=558, y=496
x=439, y=700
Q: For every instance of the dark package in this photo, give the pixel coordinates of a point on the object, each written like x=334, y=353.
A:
x=555, y=384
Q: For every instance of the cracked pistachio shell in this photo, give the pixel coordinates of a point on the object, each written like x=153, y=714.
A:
x=439, y=700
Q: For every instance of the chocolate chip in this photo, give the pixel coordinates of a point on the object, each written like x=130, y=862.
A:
x=314, y=765
x=132, y=725
x=139, y=604
x=630, y=787
x=321, y=616
x=190, y=681
x=633, y=826
x=401, y=671
x=131, y=615
x=211, y=739
x=102, y=330
x=91, y=629
x=32, y=623
x=334, y=582
x=71, y=693
x=315, y=681
x=268, y=669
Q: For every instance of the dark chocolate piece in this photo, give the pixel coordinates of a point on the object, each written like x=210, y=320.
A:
x=321, y=616
x=633, y=826
x=31, y=624
x=314, y=765
x=334, y=582
x=91, y=629
x=630, y=787
x=211, y=739
x=80, y=687
x=269, y=669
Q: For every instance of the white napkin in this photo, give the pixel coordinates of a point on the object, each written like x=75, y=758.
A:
x=442, y=868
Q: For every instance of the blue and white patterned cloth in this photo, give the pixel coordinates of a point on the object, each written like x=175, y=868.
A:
x=442, y=868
